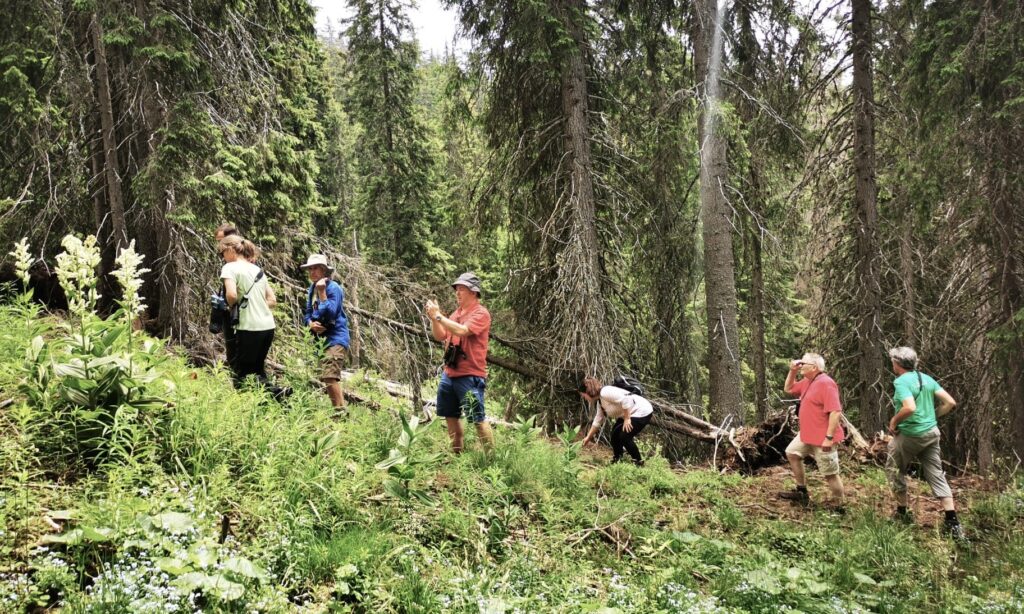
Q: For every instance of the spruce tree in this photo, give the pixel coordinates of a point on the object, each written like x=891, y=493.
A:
x=395, y=200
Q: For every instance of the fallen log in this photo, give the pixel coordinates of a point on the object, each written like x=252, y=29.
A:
x=494, y=359
x=747, y=448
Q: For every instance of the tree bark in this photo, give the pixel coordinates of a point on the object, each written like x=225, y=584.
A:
x=871, y=353
x=584, y=323
x=758, y=356
x=389, y=140
x=355, y=341
x=724, y=381
x=173, y=318
x=1011, y=304
x=907, y=278
x=747, y=56
x=112, y=174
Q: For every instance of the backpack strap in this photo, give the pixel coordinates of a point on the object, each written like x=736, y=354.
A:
x=259, y=276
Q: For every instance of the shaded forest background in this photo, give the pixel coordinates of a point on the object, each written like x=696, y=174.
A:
x=862, y=188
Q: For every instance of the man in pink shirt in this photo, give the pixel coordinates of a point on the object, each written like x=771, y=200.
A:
x=820, y=428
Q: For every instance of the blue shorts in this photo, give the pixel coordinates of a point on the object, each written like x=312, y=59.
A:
x=461, y=393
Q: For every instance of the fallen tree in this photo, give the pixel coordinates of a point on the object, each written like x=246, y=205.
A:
x=743, y=449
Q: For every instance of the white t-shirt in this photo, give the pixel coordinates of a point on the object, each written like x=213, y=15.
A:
x=615, y=402
x=256, y=315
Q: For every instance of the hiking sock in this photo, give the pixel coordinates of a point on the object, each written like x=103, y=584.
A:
x=802, y=489
x=951, y=517
x=902, y=510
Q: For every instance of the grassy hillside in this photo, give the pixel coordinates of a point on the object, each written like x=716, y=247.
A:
x=191, y=496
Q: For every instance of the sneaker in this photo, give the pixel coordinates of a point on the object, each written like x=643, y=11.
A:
x=796, y=496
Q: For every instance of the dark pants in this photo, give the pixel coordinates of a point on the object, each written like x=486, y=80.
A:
x=230, y=344
x=251, y=349
x=623, y=441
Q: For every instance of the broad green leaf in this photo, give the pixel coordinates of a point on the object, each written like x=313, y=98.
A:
x=863, y=578
x=687, y=537
x=101, y=534
x=223, y=588
x=244, y=567
x=71, y=538
x=173, y=566
x=395, y=458
x=202, y=556
x=173, y=522
x=496, y=605
x=63, y=369
x=815, y=587
x=396, y=489
x=764, y=581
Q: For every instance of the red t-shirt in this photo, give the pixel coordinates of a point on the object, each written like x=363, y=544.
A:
x=478, y=320
x=818, y=398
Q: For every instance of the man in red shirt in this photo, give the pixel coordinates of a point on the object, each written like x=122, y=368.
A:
x=466, y=333
x=820, y=428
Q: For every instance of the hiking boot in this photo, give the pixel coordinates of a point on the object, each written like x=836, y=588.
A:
x=831, y=507
x=796, y=496
x=903, y=517
x=956, y=532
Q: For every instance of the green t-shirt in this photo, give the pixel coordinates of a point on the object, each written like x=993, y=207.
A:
x=923, y=418
x=256, y=314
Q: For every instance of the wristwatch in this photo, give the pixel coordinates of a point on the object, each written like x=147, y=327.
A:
x=830, y=437
x=438, y=317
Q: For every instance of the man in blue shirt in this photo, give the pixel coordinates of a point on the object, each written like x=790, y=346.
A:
x=325, y=317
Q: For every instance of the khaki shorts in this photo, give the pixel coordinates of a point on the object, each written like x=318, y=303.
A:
x=924, y=448
x=828, y=463
x=332, y=363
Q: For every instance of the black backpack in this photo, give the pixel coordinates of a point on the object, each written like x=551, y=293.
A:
x=628, y=384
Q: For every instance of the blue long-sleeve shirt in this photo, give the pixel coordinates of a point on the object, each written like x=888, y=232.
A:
x=329, y=313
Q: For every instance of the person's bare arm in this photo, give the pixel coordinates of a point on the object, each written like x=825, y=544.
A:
x=271, y=298
x=909, y=406
x=794, y=367
x=946, y=403
x=230, y=291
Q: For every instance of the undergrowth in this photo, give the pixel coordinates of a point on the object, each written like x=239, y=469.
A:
x=229, y=501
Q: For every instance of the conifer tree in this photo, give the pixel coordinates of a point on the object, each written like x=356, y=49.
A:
x=395, y=201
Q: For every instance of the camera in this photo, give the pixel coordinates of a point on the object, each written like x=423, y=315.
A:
x=218, y=314
x=452, y=354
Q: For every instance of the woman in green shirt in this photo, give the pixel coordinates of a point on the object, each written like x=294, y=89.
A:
x=247, y=286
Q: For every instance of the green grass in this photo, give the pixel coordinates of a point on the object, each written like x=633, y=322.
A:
x=530, y=527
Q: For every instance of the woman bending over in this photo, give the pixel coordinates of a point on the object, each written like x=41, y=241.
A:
x=631, y=413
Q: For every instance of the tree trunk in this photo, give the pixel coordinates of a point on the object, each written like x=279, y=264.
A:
x=724, y=381
x=389, y=138
x=907, y=278
x=355, y=342
x=173, y=319
x=982, y=416
x=748, y=56
x=584, y=323
x=1011, y=304
x=871, y=353
x=670, y=322
x=112, y=174
x=758, y=357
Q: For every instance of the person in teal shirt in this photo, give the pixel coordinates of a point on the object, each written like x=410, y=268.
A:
x=916, y=435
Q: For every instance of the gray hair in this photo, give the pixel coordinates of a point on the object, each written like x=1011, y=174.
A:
x=815, y=359
x=905, y=357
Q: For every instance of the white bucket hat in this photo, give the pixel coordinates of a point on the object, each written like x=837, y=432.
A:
x=317, y=259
